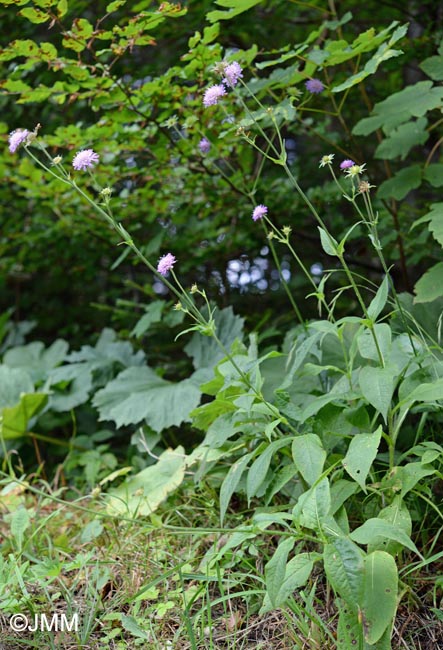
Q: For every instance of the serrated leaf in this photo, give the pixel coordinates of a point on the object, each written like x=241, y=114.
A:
x=379, y=602
x=433, y=67
x=139, y=394
x=401, y=140
x=375, y=528
x=13, y=382
x=361, y=453
x=204, y=351
x=430, y=285
x=401, y=183
x=377, y=386
x=434, y=175
x=309, y=456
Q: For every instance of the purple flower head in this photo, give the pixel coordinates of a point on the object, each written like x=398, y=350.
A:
x=204, y=145
x=16, y=138
x=314, y=86
x=259, y=212
x=233, y=73
x=213, y=94
x=85, y=159
x=346, y=164
x=166, y=263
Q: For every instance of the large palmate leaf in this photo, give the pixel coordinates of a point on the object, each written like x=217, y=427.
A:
x=35, y=359
x=13, y=382
x=138, y=394
x=204, y=350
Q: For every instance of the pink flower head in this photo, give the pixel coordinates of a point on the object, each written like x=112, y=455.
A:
x=16, y=138
x=166, y=263
x=346, y=164
x=85, y=159
x=204, y=145
x=314, y=86
x=259, y=212
x=213, y=94
x=233, y=73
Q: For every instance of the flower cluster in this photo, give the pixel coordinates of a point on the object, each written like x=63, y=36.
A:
x=259, y=212
x=231, y=73
x=314, y=86
x=166, y=263
x=85, y=159
x=204, y=145
x=17, y=138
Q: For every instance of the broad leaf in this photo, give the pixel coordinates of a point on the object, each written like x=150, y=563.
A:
x=230, y=483
x=141, y=494
x=139, y=394
x=343, y=562
x=276, y=568
x=309, y=456
x=204, y=350
x=430, y=285
x=377, y=386
x=15, y=419
x=260, y=466
x=360, y=456
x=374, y=528
x=379, y=300
x=379, y=602
x=13, y=382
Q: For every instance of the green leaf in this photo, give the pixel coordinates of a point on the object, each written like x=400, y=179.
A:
x=113, y=6
x=309, y=456
x=259, y=468
x=313, y=507
x=401, y=140
x=383, y=53
x=343, y=562
x=434, y=175
x=409, y=475
x=205, y=351
x=379, y=602
x=379, y=300
x=13, y=382
x=341, y=490
x=430, y=285
x=275, y=569
x=361, y=454
x=349, y=629
x=37, y=360
x=231, y=482
x=34, y=15
x=398, y=515
x=401, y=183
x=429, y=392
x=296, y=575
x=15, y=418
x=20, y=521
x=141, y=494
x=374, y=528
x=377, y=386
x=328, y=243
x=235, y=8
x=433, y=67
x=139, y=394
x=366, y=343
x=130, y=625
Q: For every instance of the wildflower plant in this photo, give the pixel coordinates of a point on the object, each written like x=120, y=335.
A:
x=312, y=426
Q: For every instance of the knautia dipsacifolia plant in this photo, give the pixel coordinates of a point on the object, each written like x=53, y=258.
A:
x=308, y=431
